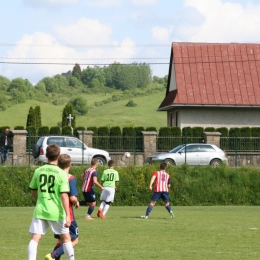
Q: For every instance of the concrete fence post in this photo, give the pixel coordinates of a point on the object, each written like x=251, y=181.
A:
x=19, y=147
x=150, y=143
x=212, y=138
x=87, y=138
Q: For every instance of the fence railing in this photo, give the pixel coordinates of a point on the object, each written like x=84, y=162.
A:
x=163, y=144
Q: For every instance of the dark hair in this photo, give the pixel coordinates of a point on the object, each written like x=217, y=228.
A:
x=163, y=166
x=52, y=152
x=110, y=163
x=94, y=161
x=64, y=161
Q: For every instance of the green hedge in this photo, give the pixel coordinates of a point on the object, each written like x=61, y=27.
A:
x=190, y=185
x=55, y=130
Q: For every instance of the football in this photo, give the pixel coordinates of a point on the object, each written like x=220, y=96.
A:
x=127, y=154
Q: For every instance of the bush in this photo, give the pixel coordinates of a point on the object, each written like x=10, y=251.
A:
x=224, y=141
x=78, y=128
x=103, y=137
x=128, y=135
x=191, y=186
x=43, y=130
x=209, y=129
x=66, y=130
x=55, y=130
x=151, y=128
x=19, y=127
x=164, y=139
x=115, y=138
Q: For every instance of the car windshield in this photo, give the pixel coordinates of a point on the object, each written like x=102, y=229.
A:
x=176, y=149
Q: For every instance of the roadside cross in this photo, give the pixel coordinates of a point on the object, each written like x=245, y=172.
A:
x=70, y=118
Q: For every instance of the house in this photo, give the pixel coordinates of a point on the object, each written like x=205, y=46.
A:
x=213, y=85
x=66, y=74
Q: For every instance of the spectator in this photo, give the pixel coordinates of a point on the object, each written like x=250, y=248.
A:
x=6, y=143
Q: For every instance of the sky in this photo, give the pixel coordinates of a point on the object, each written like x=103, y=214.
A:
x=42, y=38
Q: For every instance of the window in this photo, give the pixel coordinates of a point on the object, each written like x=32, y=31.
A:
x=56, y=140
x=73, y=143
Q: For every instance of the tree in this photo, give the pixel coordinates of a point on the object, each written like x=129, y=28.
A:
x=31, y=118
x=4, y=83
x=68, y=109
x=38, y=117
x=76, y=72
x=80, y=105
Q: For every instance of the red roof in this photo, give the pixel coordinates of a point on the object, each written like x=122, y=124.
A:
x=214, y=74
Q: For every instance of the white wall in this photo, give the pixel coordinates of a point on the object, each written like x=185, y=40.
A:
x=216, y=117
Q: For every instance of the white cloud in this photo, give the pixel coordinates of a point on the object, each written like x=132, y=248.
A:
x=50, y=4
x=161, y=34
x=144, y=2
x=84, y=32
x=66, y=45
x=224, y=22
x=105, y=3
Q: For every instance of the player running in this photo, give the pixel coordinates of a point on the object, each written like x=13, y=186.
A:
x=89, y=179
x=110, y=179
x=161, y=190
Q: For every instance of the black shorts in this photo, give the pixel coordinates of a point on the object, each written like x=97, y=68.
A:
x=89, y=196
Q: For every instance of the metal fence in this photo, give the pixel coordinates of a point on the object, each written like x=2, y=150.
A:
x=119, y=143
x=240, y=144
x=165, y=144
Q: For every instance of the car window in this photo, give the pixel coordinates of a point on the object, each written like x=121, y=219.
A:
x=207, y=148
x=73, y=143
x=190, y=149
x=40, y=141
x=56, y=140
x=176, y=149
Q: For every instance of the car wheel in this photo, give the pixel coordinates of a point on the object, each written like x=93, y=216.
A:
x=169, y=161
x=101, y=161
x=215, y=162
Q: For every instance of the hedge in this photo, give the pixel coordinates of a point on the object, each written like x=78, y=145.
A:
x=191, y=186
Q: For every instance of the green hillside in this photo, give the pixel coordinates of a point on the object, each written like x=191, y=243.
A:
x=110, y=114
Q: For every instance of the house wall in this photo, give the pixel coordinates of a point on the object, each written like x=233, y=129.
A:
x=216, y=117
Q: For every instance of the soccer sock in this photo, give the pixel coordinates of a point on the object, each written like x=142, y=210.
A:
x=106, y=209
x=149, y=209
x=102, y=205
x=90, y=209
x=68, y=250
x=32, y=250
x=58, y=251
x=169, y=208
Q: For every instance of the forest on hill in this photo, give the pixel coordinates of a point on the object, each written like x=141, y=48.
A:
x=114, y=86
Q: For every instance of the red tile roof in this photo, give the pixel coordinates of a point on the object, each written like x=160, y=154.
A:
x=214, y=74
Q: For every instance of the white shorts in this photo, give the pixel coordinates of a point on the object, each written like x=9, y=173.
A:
x=107, y=194
x=40, y=226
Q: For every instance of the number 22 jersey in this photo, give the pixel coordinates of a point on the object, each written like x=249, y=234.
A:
x=49, y=181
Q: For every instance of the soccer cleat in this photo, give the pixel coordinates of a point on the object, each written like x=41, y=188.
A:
x=102, y=216
x=99, y=213
x=171, y=214
x=48, y=257
x=144, y=217
x=89, y=218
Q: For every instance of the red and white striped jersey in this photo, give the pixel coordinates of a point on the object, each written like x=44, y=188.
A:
x=88, y=179
x=162, y=181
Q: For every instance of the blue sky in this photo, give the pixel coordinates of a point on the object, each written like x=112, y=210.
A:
x=104, y=31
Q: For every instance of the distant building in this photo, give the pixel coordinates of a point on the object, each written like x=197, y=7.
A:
x=67, y=74
x=213, y=85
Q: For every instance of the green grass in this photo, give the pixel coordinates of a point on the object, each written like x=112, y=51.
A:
x=112, y=114
x=196, y=233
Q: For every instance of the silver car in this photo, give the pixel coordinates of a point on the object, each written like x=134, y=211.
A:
x=192, y=154
x=71, y=146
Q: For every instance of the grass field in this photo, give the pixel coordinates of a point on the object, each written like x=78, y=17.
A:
x=210, y=233
x=111, y=114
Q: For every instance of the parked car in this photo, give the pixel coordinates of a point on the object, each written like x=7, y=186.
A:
x=196, y=154
x=71, y=146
